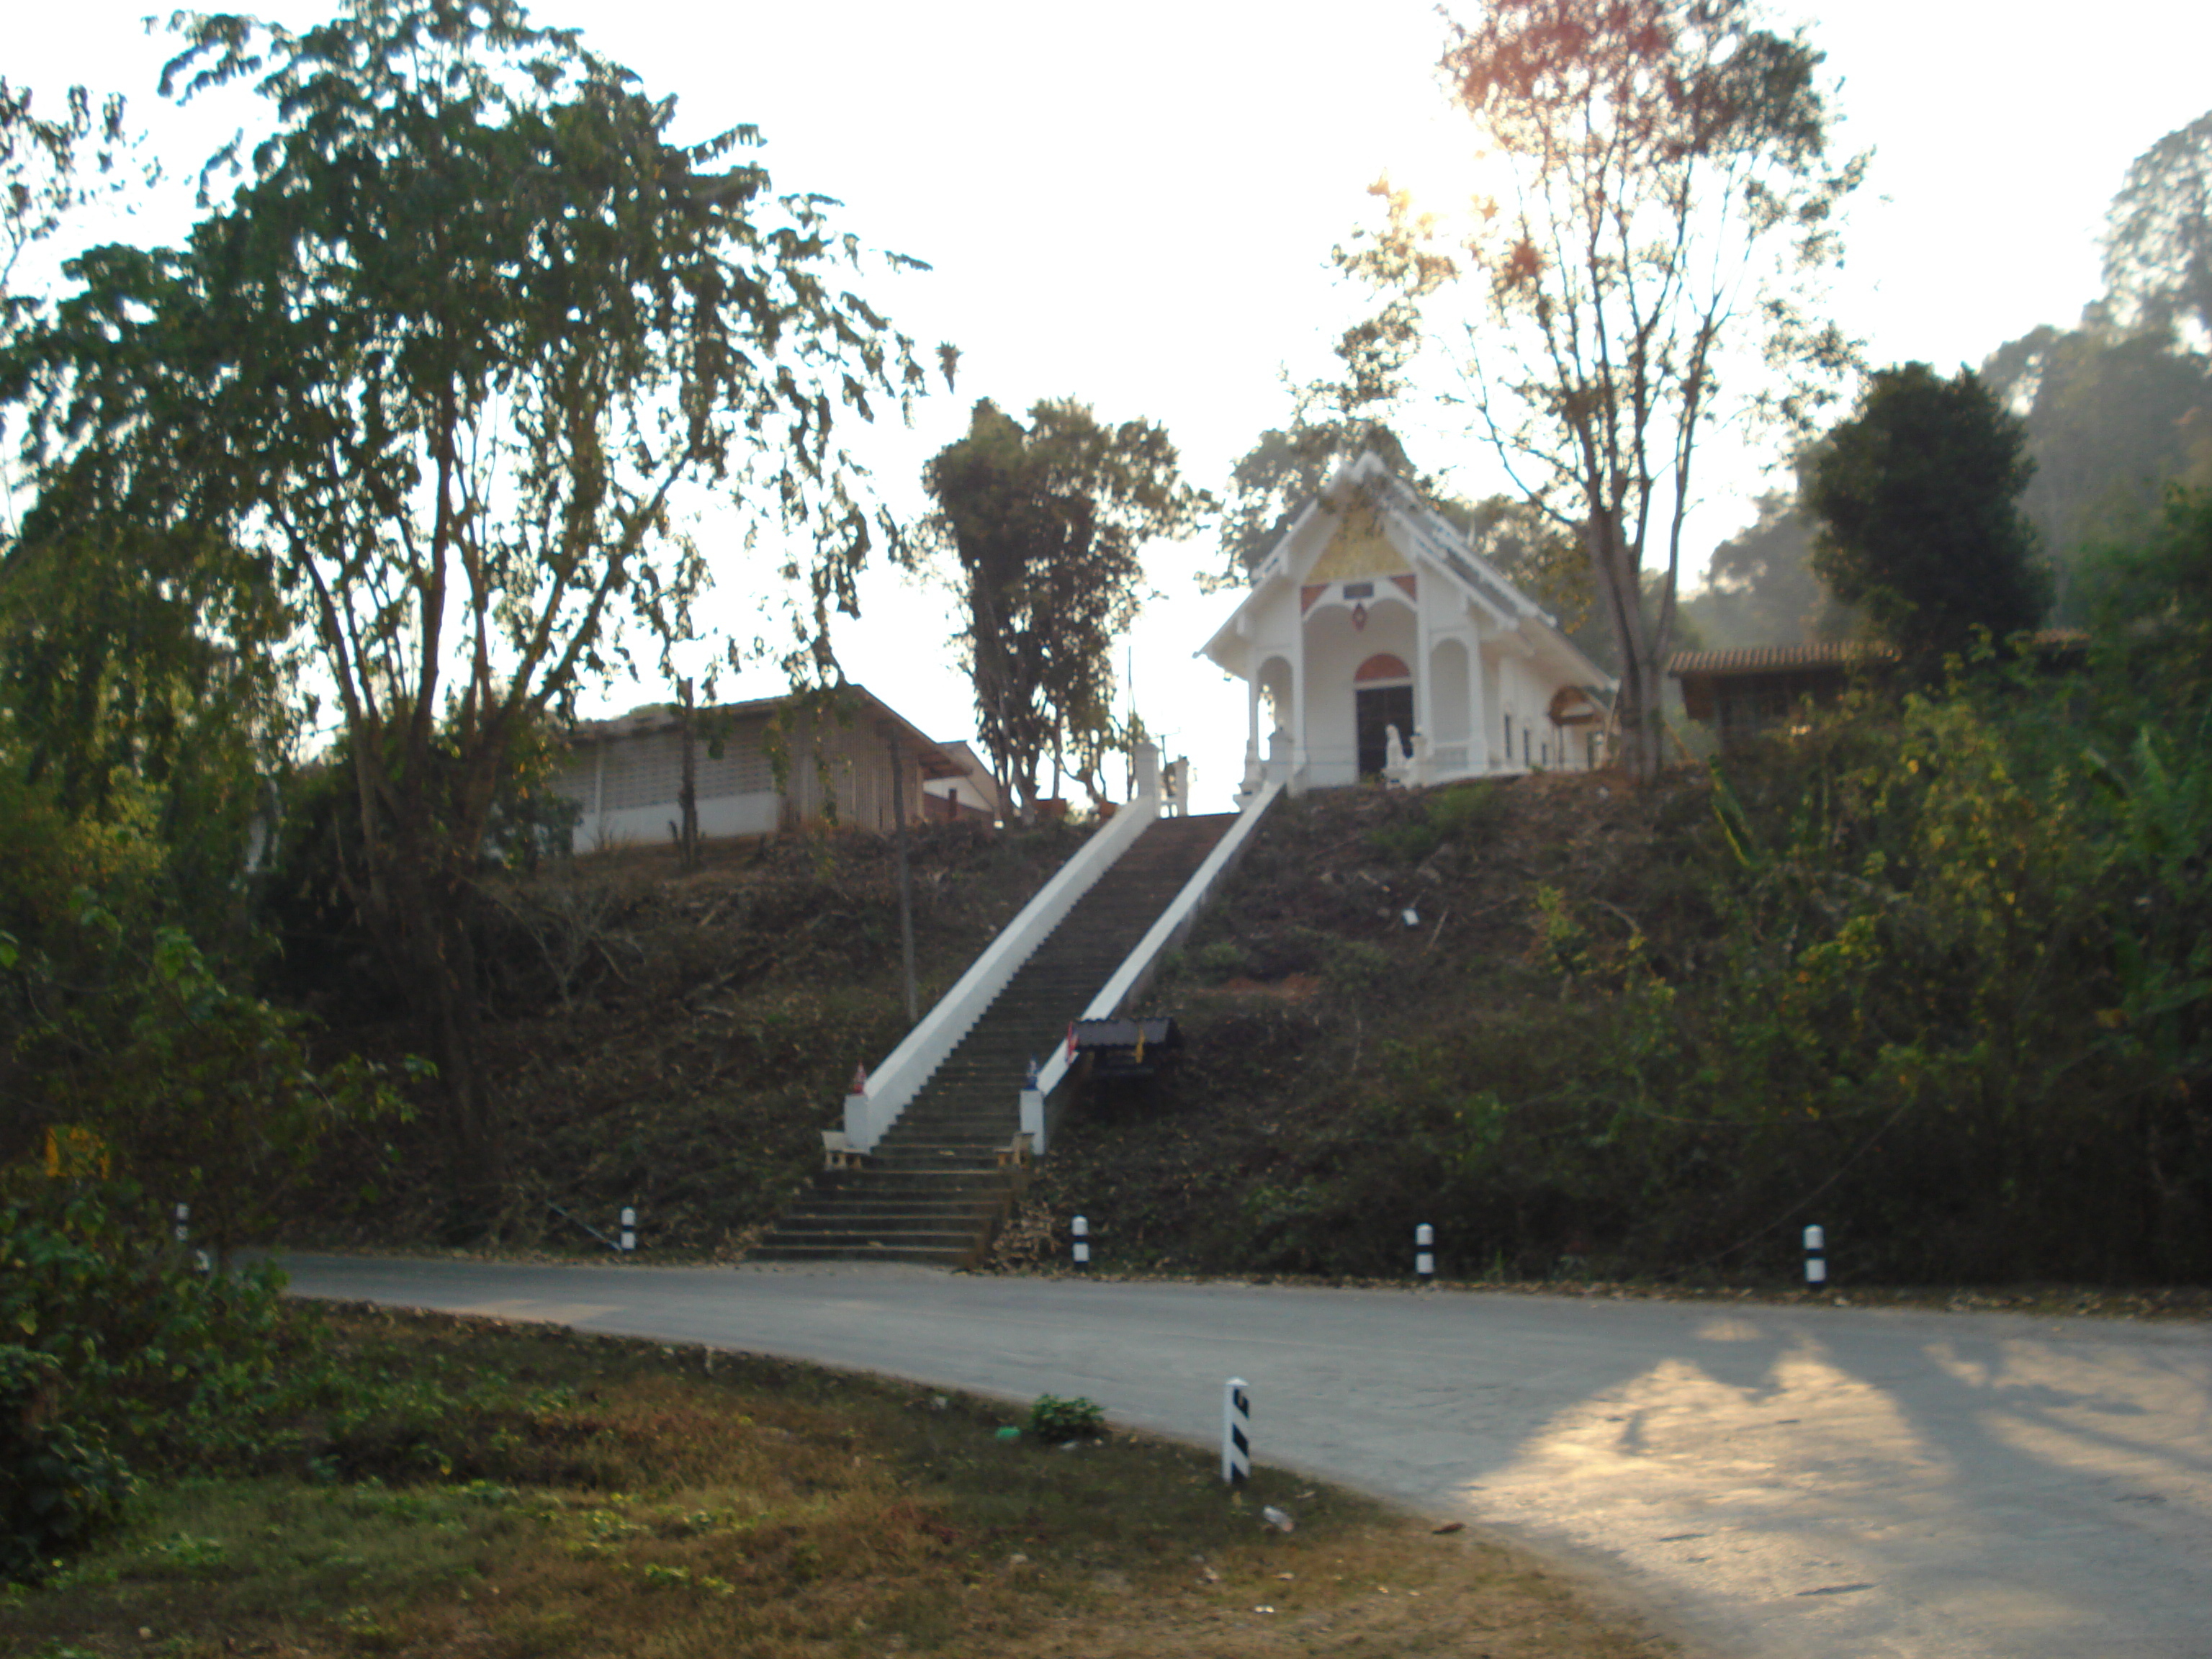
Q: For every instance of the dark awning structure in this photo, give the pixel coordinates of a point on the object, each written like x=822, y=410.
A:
x=1127, y=1047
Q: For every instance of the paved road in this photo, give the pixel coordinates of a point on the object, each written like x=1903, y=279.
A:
x=1777, y=1483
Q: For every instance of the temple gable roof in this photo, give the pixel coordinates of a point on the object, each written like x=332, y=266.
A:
x=1370, y=523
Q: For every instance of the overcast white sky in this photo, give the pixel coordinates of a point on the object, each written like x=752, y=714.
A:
x=1133, y=205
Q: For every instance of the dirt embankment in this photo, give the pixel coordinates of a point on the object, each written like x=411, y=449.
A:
x=672, y=1040
x=1373, y=947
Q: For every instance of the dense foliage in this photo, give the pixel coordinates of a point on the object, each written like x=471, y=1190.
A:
x=115, y=1352
x=1048, y=523
x=470, y=340
x=1644, y=278
x=1935, y=971
x=1915, y=499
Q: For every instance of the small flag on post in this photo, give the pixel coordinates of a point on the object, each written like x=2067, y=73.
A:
x=1071, y=1042
x=630, y=1229
x=1235, y=1432
x=1816, y=1257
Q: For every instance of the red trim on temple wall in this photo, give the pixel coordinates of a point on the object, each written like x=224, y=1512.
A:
x=1383, y=666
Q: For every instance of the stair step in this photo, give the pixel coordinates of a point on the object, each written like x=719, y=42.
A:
x=887, y=1217
x=935, y=1191
x=923, y=1256
x=907, y=1237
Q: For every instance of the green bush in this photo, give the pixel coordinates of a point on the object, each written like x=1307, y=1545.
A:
x=59, y=1487
x=1221, y=960
x=1466, y=815
x=1055, y=1421
x=167, y=1363
x=121, y=1354
x=1354, y=966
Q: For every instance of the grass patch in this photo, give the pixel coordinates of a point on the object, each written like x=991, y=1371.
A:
x=594, y=1496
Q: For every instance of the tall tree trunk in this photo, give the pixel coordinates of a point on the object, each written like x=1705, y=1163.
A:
x=417, y=910
x=440, y=982
x=1638, y=705
x=479, y=1160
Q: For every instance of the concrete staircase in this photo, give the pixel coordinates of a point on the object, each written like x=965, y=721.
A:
x=933, y=1191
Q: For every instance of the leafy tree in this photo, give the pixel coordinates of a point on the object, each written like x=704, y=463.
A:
x=1048, y=523
x=2158, y=238
x=115, y=1023
x=1917, y=497
x=1668, y=191
x=1284, y=468
x=1760, y=586
x=1533, y=554
x=2150, y=603
x=132, y=690
x=451, y=364
x=120, y=682
x=44, y=165
x=2120, y=406
x=2111, y=418
x=205, y=1093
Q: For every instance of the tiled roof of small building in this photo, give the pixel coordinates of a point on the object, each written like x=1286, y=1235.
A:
x=936, y=763
x=1781, y=659
x=1771, y=659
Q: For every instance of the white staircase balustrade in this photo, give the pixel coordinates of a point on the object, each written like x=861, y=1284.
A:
x=1136, y=968
x=894, y=1083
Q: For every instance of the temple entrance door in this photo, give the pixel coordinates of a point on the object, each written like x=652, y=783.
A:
x=1376, y=709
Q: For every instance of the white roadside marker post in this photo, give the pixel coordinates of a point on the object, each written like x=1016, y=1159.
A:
x=628, y=1228
x=184, y=1215
x=1816, y=1260
x=1235, y=1432
x=1425, y=1259
x=1081, y=1228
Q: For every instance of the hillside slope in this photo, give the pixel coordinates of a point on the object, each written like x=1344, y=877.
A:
x=672, y=1040
x=1931, y=977
x=1927, y=978
x=1374, y=964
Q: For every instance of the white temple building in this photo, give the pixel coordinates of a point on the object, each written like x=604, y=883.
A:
x=1381, y=644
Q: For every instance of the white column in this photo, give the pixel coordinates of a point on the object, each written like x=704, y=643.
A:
x=1424, y=707
x=1477, y=712
x=1252, y=727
